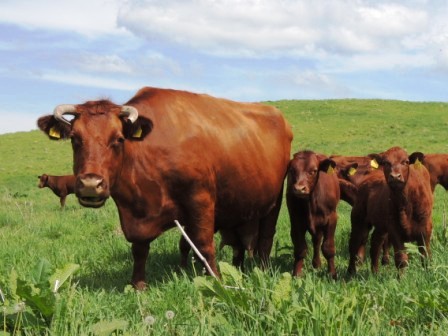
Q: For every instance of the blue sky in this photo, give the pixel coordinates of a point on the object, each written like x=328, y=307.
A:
x=55, y=52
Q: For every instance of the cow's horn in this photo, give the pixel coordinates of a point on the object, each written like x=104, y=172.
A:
x=60, y=110
x=130, y=112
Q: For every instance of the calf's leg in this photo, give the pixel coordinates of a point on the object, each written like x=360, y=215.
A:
x=317, y=243
x=376, y=242
x=328, y=246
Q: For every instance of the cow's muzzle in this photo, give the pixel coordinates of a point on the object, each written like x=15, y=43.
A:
x=301, y=191
x=396, y=180
x=91, y=190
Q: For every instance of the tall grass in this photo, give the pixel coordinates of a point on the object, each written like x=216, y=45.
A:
x=98, y=299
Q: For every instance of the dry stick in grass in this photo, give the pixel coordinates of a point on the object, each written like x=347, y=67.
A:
x=201, y=257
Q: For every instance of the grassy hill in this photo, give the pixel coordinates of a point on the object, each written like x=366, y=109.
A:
x=37, y=237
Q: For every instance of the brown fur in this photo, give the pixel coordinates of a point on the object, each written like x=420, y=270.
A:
x=363, y=167
x=312, y=196
x=437, y=165
x=210, y=163
x=397, y=203
x=60, y=185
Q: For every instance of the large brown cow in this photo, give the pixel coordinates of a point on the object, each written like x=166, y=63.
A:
x=166, y=154
x=60, y=185
x=397, y=203
x=312, y=196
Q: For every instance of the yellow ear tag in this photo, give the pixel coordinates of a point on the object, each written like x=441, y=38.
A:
x=137, y=133
x=374, y=164
x=330, y=170
x=54, y=133
x=417, y=164
x=352, y=171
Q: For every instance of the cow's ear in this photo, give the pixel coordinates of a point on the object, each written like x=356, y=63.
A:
x=55, y=129
x=376, y=160
x=327, y=165
x=350, y=169
x=137, y=130
x=416, y=156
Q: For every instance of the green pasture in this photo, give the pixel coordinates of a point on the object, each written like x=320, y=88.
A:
x=86, y=252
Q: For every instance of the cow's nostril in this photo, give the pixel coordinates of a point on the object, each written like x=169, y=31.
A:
x=396, y=176
x=91, y=185
x=300, y=188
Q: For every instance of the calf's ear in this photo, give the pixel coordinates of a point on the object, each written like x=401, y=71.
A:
x=137, y=130
x=416, y=156
x=351, y=168
x=55, y=129
x=377, y=160
x=327, y=165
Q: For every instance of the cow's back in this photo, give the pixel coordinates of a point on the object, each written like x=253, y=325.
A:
x=437, y=165
x=327, y=193
x=240, y=149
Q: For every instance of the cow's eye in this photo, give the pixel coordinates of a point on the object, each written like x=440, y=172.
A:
x=118, y=141
x=312, y=172
x=405, y=162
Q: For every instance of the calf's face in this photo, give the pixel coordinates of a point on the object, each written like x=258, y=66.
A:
x=395, y=162
x=43, y=181
x=304, y=171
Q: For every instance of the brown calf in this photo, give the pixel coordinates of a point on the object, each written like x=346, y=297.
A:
x=437, y=165
x=60, y=185
x=397, y=202
x=312, y=196
x=353, y=169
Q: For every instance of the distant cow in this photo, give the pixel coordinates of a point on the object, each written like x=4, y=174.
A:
x=211, y=163
x=397, y=203
x=60, y=185
x=312, y=197
x=437, y=165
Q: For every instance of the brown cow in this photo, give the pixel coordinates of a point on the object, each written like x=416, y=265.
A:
x=166, y=154
x=437, y=165
x=353, y=169
x=312, y=196
x=397, y=203
x=60, y=185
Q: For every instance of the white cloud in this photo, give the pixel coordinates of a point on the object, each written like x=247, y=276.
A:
x=91, y=81
x=265, y=26
x=87, y=17
x=102, y=63
x=381, y=61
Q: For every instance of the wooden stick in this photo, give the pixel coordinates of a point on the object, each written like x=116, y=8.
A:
x=209, y=269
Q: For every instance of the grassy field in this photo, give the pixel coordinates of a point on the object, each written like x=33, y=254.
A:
x=85, y=250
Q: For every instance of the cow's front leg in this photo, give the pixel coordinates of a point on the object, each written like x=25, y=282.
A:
x=140, y=252
x=184, y=248
x=201, y=227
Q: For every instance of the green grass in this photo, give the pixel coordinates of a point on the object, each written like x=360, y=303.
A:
x=98, y=298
